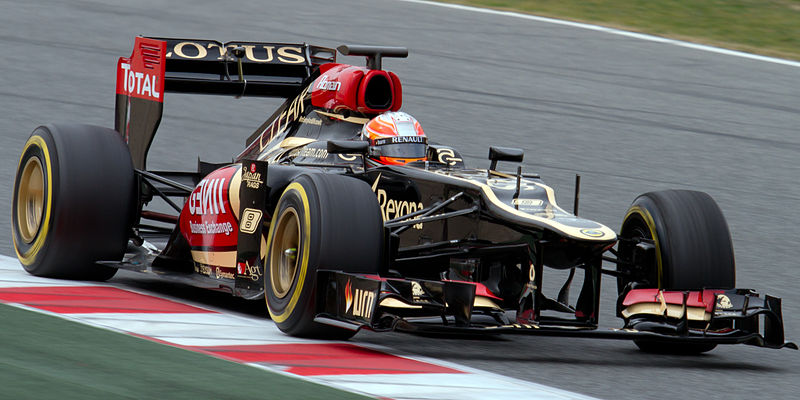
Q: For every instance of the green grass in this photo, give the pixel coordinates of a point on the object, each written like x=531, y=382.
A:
x=768, y=27
x=45, y=357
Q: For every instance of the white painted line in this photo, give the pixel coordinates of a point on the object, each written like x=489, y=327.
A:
x=612, y=31
x=13, y=275
x=196, y=329
x=468, y=386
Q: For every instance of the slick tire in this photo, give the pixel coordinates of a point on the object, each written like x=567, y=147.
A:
x=693, y=250
x=321, y=221
x=72, y=202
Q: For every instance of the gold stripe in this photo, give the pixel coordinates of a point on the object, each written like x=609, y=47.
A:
x=355, y=120
x=571, y=231
x=551, y=198
x=306, y=248
x=215, y=258
x=233, y=192
x=30, y=255
x=287, y=143
x=391, y=302
x=294, y=141
x=671, y=310
x=221, y=258
x=485, y=302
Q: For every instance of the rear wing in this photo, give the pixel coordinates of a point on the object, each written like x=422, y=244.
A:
x=240, y=68
x=159, y=65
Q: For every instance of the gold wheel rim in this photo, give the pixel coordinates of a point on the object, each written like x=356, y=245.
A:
x=30, y=200
x=283, y=252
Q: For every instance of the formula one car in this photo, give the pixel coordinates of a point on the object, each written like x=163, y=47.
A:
x=342, y=216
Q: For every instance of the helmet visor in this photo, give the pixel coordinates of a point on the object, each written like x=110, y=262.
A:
x=403, y=150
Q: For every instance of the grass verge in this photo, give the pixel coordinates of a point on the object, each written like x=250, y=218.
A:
x=45, y=357
x=768, y=27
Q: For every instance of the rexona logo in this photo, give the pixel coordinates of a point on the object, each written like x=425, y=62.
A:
x=207, y=197
x=325, y=84
x=139, y=83
x=391, y=209
x=359, y=300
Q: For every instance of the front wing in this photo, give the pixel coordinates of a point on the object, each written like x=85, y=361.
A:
x=454, y=308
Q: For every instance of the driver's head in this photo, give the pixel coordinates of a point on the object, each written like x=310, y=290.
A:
x=395, y=138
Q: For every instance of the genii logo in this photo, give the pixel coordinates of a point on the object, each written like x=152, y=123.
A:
x=208, y=197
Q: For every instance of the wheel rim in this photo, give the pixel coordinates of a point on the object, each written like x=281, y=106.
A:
x=636, y=228
x=283, y=252
x=30, y=199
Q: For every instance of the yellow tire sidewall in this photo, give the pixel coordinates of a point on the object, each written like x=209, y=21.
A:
x=297, y=291
x=29, y=256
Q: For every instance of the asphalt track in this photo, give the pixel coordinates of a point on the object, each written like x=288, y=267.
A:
x=629, y=115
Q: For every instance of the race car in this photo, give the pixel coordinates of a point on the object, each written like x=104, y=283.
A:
x=343, y=217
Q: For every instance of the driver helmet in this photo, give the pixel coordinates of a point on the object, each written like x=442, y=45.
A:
x=395, y=138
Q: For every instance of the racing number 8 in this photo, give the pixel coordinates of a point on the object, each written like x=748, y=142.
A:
x=250, y=219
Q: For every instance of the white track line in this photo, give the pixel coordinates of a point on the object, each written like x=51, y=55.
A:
x=612, y=31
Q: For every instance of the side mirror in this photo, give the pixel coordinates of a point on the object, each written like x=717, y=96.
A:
x=348, y=147
x=504, y=154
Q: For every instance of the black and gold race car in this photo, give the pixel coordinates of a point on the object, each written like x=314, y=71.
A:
x=336, y=242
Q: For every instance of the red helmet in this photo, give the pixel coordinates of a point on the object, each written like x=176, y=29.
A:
x=395, y=138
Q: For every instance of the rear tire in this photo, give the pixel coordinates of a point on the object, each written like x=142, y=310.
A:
x=321, y=221
x=693, y=250
x=73, y=196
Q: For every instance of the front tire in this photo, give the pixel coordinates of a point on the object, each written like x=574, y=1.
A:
x=693, y=250
x=72, y=201
x=321, y=221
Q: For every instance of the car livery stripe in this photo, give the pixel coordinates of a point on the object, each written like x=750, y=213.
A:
x=571, y=231
x=257, y=342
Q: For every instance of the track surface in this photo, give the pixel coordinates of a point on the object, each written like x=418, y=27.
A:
x=629, y=115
